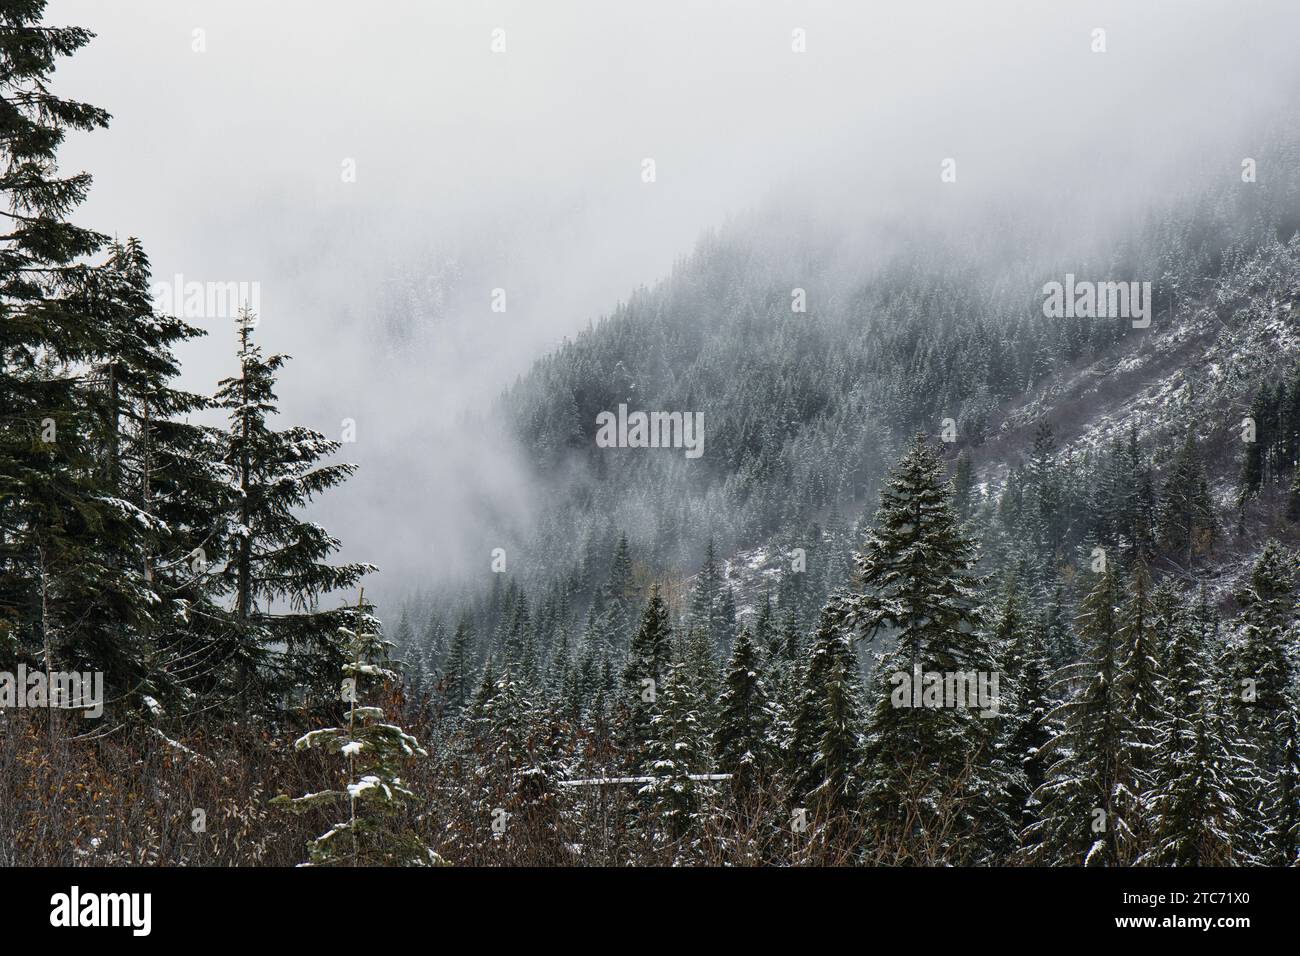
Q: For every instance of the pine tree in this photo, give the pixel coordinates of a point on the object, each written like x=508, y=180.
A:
x=1089, y=798
x=745, y=747
x=162, y=474
x=706, y=592
x=1139, y=683
x=274, y=556
x=808, y=719
x=374, y=833
x=618, y=617
x=647, y=664
x=725, y=622
x=917, y=577
x=767, y=634
x=837, y=762
x=66, y=599
x=701, y=669
x=456, y=677
x=1192, y=800
x=1262, y=667
x=1263, y=676
x=521, y=773
x=1043, y=507
x=1026, y=701
x=963, y=482
x=675, y=751
x=1187, y=521
x=1281, y=838
x=1255, y=468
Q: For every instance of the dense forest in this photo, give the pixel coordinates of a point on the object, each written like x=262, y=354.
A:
x=954, y=581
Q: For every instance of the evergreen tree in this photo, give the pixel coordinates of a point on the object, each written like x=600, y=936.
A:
x=963, y=482
x=837, y=762
x=1262, y=666
x=274, y=556
x=456, y=677
x=521, y=773
x=1139, y=681
x=1026, y=700
x=675, y=752
x=618, y=616
x=918, y=583
x=1263, y=676
x=701, y=669
x=706, y=593
x=1281, y=839
x=1043, y=507
x=1186, y=509
x=374, y=833
x=808, y=720
x=1090, y=798
x=1193, y=800
x=1255, y=468
x=745, y=748
x=163, y=475
x=647, y=664
x=67, y=600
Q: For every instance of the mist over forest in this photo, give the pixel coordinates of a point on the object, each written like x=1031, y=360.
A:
x=521, y=434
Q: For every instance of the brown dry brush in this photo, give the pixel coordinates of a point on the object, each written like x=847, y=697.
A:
x=87, y=797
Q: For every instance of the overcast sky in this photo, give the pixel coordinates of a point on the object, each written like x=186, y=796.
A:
x=522, y=170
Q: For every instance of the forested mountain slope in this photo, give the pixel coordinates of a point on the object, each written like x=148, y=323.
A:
x=803, y=410
x=926, y=468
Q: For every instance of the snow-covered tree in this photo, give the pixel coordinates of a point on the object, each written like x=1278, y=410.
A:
x=647, y=664
x=275, y=556
x=675, y=751
x=918, y=587
x=375, y=831
x=1091, y=803
x=744, y=745
x=1193, y=800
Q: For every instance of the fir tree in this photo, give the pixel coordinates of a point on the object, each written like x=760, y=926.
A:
x=1281, y=838
x=963, y=482
x=67, y=600
x=808, y=720
x=456, y=677
x=521, y=773
x=1020, y=641
x=618, y=617
x=647, y=664
x=706, y=593
x=374, y=833
x=918, y=583
x=1187, y=521
x=1193, y=800
x=1140, y=677
x=745, y=748
x=1090, y=798
x=837, y=762
x=1262, y=695
x=1262, y=666
x=675, y=752
x=275, y=556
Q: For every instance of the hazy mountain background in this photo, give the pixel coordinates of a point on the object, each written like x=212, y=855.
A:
x=521, y=170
